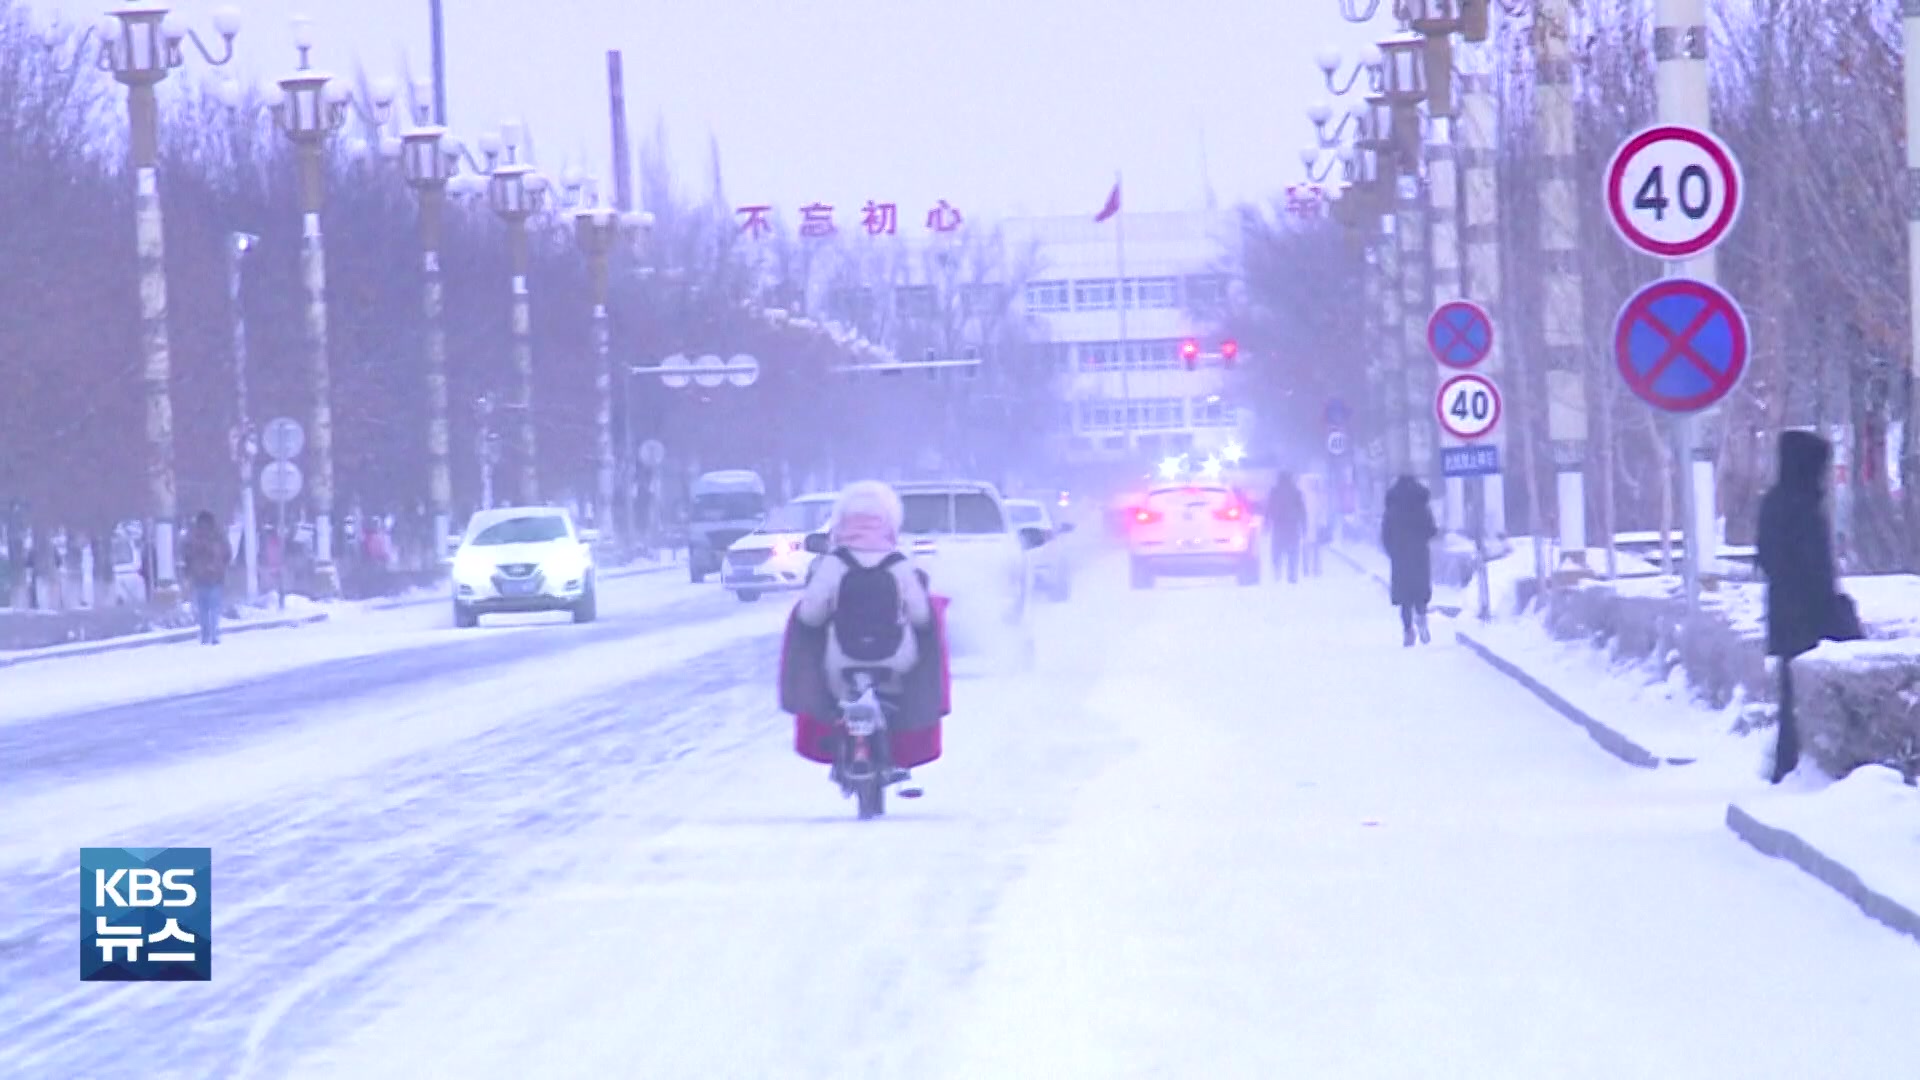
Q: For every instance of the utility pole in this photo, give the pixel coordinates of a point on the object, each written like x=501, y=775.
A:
x=1910, y=433
x=243, y=442
x=1680, y=79
x=1563, y=321
x=1444, y=192
x=1478, y=134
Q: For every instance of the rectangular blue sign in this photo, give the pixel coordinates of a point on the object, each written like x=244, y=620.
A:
x=1470, y=460
x=146, y=914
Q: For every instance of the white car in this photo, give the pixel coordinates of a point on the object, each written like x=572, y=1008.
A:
x=962, y=534
x=1052, y=572
x=523, y=558
x=775, y=557
x=1200, y=529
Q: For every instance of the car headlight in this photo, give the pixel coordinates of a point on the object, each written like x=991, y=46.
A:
x=469, y=566
x=563, y=566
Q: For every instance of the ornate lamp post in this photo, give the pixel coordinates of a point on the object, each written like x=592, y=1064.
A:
x=430, y=159
x=140, y=43
x=516, y=192
x=311, y=110
x=598, y=229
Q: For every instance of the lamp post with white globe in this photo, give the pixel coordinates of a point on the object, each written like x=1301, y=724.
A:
x=312, y=108
x=598, y=229
x=140, y=43
x=516, y=192
x=430, y=157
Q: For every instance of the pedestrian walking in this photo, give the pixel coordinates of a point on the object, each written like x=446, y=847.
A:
x=1287, y=525
x=205, y=556
x=1795, y=552
x=1407, y=530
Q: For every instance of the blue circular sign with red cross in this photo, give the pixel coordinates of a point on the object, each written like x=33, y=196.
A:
x=1460, y=333
x=1681, y=344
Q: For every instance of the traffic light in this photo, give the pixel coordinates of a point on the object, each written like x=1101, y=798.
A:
x=1229, y=352
x=1190, y=353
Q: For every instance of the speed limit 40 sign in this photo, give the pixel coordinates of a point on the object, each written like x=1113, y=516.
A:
x=1468, y=406
x=1674, y=191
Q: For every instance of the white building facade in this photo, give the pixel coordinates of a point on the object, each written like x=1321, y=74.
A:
x=1115, y=332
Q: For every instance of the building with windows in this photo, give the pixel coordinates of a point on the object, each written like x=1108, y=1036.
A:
x=1115, y=340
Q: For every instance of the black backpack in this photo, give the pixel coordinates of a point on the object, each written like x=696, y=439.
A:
x=867, y=612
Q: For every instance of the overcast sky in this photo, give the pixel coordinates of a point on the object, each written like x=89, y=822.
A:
x=998, y=106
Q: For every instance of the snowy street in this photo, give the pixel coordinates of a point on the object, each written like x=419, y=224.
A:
x=1219, y=832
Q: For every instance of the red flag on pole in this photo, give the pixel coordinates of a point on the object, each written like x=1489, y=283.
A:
x=1112, y=207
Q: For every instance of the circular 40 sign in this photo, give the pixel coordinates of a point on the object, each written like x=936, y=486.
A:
x=1469, y=406
x=1674, y=191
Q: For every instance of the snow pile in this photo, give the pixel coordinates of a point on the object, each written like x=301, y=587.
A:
x=1869, y=823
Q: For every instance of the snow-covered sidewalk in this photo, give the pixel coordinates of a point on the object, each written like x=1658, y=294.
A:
x=1860, y=835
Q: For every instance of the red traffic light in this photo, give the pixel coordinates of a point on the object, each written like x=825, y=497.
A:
x=1190, y=353
x=1229, y=351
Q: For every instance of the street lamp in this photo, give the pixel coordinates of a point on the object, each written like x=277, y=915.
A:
x=598, y=230
x=139, y=44
x=1404, y=86
x=1368, y=64
x=311, y=110
x=516, y=192
x=245, y=441
x=429, y=158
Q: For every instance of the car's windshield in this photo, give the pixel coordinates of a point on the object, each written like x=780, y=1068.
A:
x=968, y=513
x=534, y=529
x=729, y=506
x=1023, y=514
x=799, y=517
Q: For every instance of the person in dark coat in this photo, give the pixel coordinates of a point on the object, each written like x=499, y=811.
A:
x=1287, y=524
x=1406, y=529
x=1795, y=552
x=205, y=556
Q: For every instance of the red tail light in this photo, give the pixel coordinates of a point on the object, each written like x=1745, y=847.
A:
x=1145, y=517
x=1230, y=513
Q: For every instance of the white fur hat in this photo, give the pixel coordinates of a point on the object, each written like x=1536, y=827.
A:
x=869, y=497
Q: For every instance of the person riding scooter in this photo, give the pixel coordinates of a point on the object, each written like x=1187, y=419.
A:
x=865, y=591
x=866, y=609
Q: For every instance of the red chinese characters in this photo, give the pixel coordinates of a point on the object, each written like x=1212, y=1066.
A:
x=816, y=220
x=944, y=218
x=877, y=218
x=756, y=223
x=880, y=218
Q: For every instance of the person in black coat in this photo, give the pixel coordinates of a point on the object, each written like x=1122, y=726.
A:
x=1795, y=552
x=1287, y=524
x=1407, y=529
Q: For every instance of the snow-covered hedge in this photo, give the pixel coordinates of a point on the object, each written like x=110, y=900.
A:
x=1647, y=619
x=1858, y=704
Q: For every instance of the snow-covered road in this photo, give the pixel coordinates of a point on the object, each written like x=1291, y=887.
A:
x=1220, y=832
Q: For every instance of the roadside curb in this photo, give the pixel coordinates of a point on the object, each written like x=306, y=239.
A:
x=1781, y=844
x=141, y=641
x=1610, y=740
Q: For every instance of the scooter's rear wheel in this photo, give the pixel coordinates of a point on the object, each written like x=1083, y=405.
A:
x=873, y=798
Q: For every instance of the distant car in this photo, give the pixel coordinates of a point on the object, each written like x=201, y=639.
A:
x=726, y=506
x=518, y=559
x=775, y=557
x=1052, y=572
x=1193, y=530
x=961, y=533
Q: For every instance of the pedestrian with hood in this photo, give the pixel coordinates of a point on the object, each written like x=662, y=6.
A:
x=1795, y=551
x=1407, y=530
x=205, y=556
x=1287, y=522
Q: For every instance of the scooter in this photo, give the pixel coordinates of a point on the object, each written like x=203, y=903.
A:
x=862, y=764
